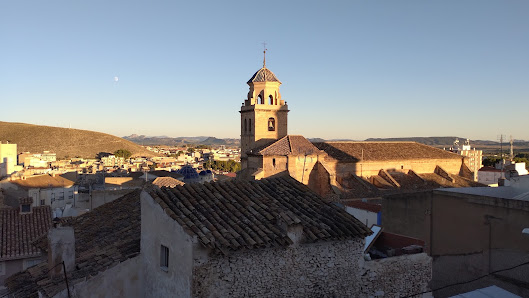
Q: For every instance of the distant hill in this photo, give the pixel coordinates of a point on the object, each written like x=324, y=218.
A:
x=446, y=142
x=179, y=141
x=65, y=142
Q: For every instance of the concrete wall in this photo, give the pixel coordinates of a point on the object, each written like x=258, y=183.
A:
x=159, y=229
x=458, y=234
x=54, y=197
x=99, y=197
x=10, y=267
x=8, y=158
x=122, y=280
x=367, y=217
x=370, y=168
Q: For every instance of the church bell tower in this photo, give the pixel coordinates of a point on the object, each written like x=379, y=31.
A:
x=263, y=113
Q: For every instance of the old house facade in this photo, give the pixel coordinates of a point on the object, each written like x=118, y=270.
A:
x=272, y=237
x=18, y=228
x=474, y=232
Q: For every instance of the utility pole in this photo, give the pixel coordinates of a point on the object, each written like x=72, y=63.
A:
x=501, y=136
x=512, y=151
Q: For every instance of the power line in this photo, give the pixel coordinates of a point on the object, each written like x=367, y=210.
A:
x=468, y=281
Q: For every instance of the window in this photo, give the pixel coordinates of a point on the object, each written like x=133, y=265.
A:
x=271, y=124
x=42, y=202
x=260, y=99
x=245, y=126
x=25, y=208
x=29, y=263
x=164, y=258
x=274, y=162
x=271, y=100
x=250, y=125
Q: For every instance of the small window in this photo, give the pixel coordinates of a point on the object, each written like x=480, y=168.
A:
x=164, y=258
x=25, y=208
x=42, y=202
x=31, y=263
x=260, y=99
x=271, y=100
x=271, y=124
x=274, y=162
x=250, y=125
x=245, y=126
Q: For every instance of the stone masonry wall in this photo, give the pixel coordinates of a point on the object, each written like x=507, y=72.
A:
x=400, y=276
x=308, y=270
x=329, y=269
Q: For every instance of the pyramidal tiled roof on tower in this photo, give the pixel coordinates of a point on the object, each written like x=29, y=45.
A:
x=263, y=75
x=287, y=145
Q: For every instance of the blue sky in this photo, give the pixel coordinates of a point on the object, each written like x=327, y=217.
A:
x=350, y=69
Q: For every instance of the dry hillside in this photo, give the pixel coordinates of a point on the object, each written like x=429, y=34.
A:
x=66, y=142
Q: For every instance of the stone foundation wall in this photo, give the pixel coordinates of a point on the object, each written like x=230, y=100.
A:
x=308, y=270
x=400, y=276
x=330, y=269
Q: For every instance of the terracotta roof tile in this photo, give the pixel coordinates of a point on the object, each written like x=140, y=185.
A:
x=231, y=215
x=381, y=151
x=44, y=181
x=287, y=145
x=167, y=182
x=18, y=230
x=263, y=75
x=104, y=237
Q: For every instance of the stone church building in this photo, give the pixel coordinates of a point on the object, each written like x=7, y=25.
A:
x=360, y=169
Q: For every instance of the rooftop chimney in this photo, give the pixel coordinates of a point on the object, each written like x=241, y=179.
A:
x=61, y=248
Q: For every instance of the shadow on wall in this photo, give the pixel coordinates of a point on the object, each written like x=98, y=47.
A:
x=320, y=180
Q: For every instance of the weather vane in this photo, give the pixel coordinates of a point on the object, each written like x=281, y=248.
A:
x=264, y=54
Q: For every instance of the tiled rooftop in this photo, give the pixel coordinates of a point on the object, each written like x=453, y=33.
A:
x=234, y=215
x=407, y=182
x=18, y=230
x=44, y=181
x=382, y=151
x=287, y=145
x=167, y=182
x=104, y=237
x=263, y=75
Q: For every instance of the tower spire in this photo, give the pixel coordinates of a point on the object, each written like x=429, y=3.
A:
x=264, y=54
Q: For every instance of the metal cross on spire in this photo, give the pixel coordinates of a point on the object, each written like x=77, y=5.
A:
x=264, y=54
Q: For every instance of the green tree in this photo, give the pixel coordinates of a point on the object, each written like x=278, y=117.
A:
x=123, y=153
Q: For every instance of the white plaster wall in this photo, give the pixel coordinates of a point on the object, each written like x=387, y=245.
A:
x=367, y=217
x=158, y=228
